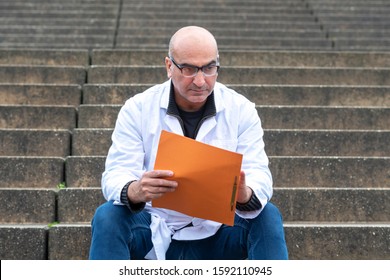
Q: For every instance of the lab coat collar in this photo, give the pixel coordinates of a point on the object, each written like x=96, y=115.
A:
x=217, y=92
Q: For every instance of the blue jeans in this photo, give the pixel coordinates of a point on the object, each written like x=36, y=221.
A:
x=119, y=234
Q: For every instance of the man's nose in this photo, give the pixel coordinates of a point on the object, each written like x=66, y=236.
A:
x=199, y=79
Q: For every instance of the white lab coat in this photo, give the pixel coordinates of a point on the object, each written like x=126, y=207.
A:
x=236, y=127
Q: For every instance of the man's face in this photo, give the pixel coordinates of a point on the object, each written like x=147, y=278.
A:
x=191, y=92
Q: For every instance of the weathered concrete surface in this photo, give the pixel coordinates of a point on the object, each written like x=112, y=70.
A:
x=27, y=206
x=330, y=172
x=279, y=142
x=34, y=142
x=98, y=116
x=338, y=241
x=37, y=116
x=23, y=242
x=313, y=117
x=249, y=75
x=273, y=117
x=42, y=74
x=333, y=205
x=31, y=172
x=40, y=94
x=300, y=95
x=69, y=242
x=355, y=143
x=84, y=172
x=305, y=241
x=77, y=205
x=89, y=142
x=44, y=57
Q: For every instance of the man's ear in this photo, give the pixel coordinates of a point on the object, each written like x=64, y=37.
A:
x=168, y=67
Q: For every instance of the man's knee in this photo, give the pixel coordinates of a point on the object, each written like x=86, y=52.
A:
x=271, y=211
x=270, y=218
x=108, y=213
x=109, y=216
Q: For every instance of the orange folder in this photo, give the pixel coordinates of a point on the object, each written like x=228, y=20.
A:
x=207, y=177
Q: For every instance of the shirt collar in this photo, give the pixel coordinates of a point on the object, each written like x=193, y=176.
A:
x=209, y=109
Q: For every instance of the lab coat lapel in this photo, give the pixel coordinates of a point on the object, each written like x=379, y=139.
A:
x=206, y=127
x=210, y=123
x=171, y=122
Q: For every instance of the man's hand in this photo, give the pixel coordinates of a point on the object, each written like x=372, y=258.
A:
x=244, y=192
x=153, y=184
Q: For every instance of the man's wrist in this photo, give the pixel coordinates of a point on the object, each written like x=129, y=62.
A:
x=134, y=207
x=251, y=205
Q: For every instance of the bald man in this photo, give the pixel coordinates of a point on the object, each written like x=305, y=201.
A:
x=191, y=103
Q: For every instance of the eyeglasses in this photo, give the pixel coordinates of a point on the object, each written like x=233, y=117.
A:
x=191, y=71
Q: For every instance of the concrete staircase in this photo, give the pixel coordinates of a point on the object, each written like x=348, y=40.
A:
x=324, y=101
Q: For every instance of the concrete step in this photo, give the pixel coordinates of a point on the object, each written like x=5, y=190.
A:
x=38, y=74
x=76, y=12
x=27, y=206
x=50, y=3
x=110, y=93
x=73, y=44
x=310, y=205
x=356, y=3
x=362, y=43
x=31, y=172
x=55, y=30
x=327, y=143
x=330, y=172
x=373, y=96
x=225, y=7
x=90, y=142
x=221, y=32
x=248, y=75
x=261, y=24
x=158, y=31
x=345, y=9
x=58, y=22
x=316, y=117
x=347, y=17
x=334, y=205
x=332, y=96
x=305, y=76
x=349, y=34
x=46, y=57
x=77, y=205
x=348, y=205
x=69, y=242
x=24, y=242
x=95, y=6
x=244, y=43
x=297, y=172
x=165, y=14
x=102, y=116
x=84, y=171
x=356, y=25
x=338, y=241
x=311, y=241
x=40, y=94
x=30, y=40
x=38, y=117
x=273, y=117
x=35, y=142
x=251, y=58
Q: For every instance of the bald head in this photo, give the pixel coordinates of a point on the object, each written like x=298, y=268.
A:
x=192, y=39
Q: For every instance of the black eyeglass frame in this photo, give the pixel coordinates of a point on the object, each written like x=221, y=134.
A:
x=181, y=66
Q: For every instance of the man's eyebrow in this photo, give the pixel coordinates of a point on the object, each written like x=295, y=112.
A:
x=191, y=65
